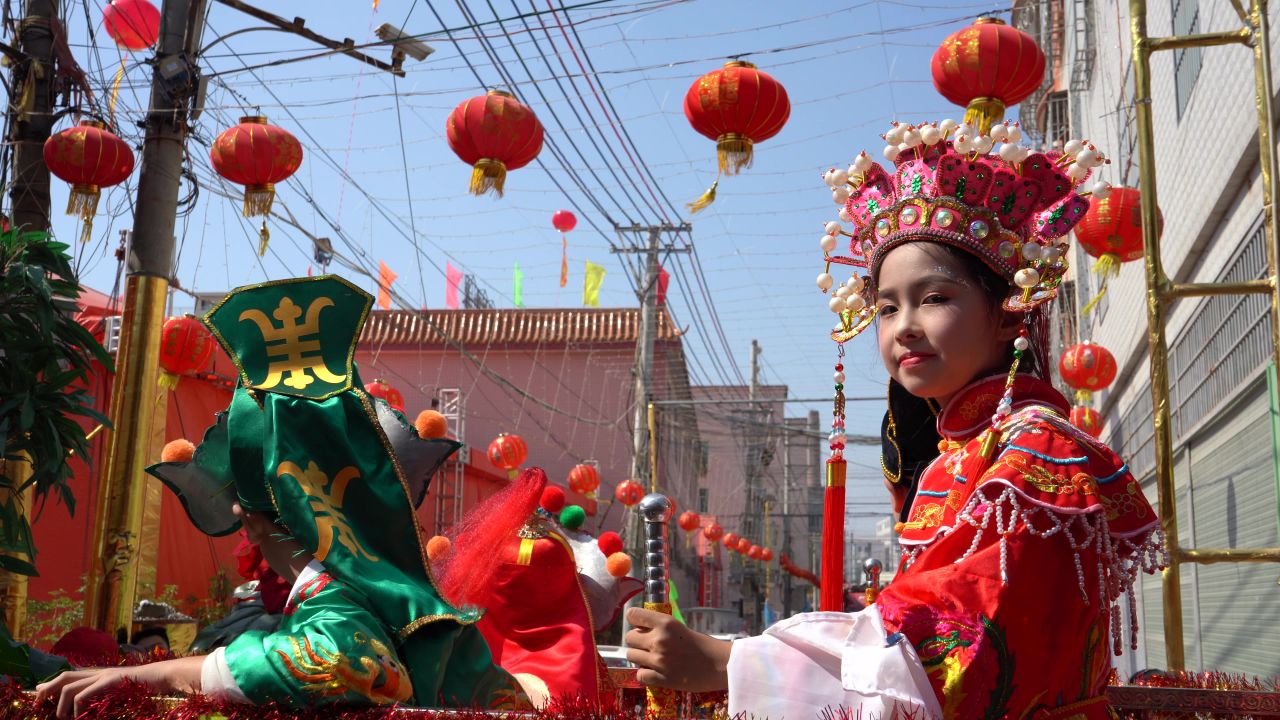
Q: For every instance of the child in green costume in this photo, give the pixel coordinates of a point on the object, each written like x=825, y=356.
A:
x=326, y=480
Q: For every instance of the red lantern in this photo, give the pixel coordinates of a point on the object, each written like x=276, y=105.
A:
x=133, y=24
x=1087, y=419
x=380, y=389
x=508, y=452
x=90, y=158
x=493, y=133
x=564, y=221
x=731, y=541
x=737, y=106
x=1112, y=229
x=755, y=552
x=584, y=479
x=713, y=532
x=186, y=346
x=766, y=555
x=986, y=68
x=744, y=545
x=628, y=492
x=258, y=156
x=1087, y=367
x=689, y=521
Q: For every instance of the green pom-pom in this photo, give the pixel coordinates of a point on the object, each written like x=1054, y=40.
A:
x=572, y=517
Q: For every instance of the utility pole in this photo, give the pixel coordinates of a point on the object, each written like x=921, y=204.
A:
x=31, y=116
x=113, y=569
x=750, y=515
x=786, y=517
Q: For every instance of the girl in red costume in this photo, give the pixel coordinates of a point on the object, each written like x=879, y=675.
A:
x=1023, y=536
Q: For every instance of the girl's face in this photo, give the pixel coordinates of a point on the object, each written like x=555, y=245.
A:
x=938, y=329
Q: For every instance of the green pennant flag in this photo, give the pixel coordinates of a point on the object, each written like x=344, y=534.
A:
x=591, y=284
x=517, y=286
x=674, y=596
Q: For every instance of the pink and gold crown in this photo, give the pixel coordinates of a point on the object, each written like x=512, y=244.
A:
x=1012, y=208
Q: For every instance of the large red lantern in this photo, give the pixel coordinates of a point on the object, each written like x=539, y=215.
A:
x=744, y=545
x=986, y=68
x=1112, y=229
x=1087, y=419
x=133, y=24
x=258, y=156
x=731, y=541
x=186, y=346
x=1087, y=368
x=689, y=521
x=382, y=390
x=508, y=452
x=584, y=479
x=564, y=221
x=737, y=106
x=629, y=492
x=90, y=158
x=494, y=134
x=755, y=552
x=713, y=532
x=766, y=555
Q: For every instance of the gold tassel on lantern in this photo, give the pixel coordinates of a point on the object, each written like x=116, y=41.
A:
x=734, y=153
x=1107, y=267
x=264, y=236
x=983, y=112
x=258, y=199
x=1084, y=397
x=84, y=202
x=704, y=199
x=488, y=175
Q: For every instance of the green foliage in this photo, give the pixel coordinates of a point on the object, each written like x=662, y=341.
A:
x=44, y=356
x=48, y=620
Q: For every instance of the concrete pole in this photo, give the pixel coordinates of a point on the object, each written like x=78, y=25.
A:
x=30, y=126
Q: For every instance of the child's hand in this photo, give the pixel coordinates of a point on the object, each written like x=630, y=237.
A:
x=671, y=655
x=75, y=688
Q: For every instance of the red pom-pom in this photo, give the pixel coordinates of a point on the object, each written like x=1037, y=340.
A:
x=431, y=424
x=180, y=450
x=552, y=499
x=618, y=564
x=610, y=542
x=437, y=547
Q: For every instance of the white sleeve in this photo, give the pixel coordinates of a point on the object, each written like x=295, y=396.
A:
x=216, y=680
x=806, y=665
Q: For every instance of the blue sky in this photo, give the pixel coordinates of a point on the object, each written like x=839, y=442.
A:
x=849, y=68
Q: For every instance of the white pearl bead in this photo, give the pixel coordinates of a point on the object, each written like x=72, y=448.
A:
x=1072, y=147
x=844, y=215
x=947, y=125
x=1023, y=152
x=999, y=132
x=964, y=129
x=832, y=228
x=1026, y=278
x=855, y=282
x=1088, y=158
x=903, y=147
x=894, y=136
x=1031, y=251
x=826, y=177
x=1021, y=343
x=1015, y=133
x=961, y=143
x=839, y=378
x=828, y=243
x=839, y=177
x=842, y=292
x=891, y=152
x=1009, y=152
x=1077, y=172
x=839, y=438
x=930, y=135
x=862, y=163
x=982, y=144
x=1101, y=190
x=911, y=138
x=825, y=281
x=839, y=195
x=855, y=303
x=836, y=304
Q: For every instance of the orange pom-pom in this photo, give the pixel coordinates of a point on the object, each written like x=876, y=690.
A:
x=437, y=547
x=180, y=450
x=618, y=564
x=431, y=424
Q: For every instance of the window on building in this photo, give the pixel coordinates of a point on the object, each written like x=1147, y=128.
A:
x=1126, y=152
x=1186, y=61
x=703, y=500
x=1057, y=125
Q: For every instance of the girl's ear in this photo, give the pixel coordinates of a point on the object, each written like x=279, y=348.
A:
x=1009, y=325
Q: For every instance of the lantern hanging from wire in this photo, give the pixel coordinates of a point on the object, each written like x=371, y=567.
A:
x=738, y=106
x=256, y=155
x=628, y=492
x=1087, y=419
x=383, y=390
x=743, y=545
x=766, y=555
x=987, y=68
x=1111, y=231
x=713, y=532
x=90, y=157
x=186, y=346
x=508, y=452
x=689, y=521
x=493, y=133
x=584, y=479
x=1087, y=368
x=730, y=541
x=565, y=222
x=132, y=24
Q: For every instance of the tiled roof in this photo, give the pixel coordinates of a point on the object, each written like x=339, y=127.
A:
x=510, y=326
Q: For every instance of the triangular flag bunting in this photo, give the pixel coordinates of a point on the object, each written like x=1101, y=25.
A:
x=385, y=278
x=453, y=278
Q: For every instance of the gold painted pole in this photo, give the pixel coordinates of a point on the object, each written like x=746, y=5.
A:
x=13, y=586
x=1208, y=556
x=113, y=569
x=1157, y=281
x=1267, y=157
x=653, y=449
x=1179, y=42
x=1265, y=286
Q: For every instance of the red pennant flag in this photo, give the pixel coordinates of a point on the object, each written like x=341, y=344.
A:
x=564, y=260
x=664, y=279
x=385, y=278
x=453, y=278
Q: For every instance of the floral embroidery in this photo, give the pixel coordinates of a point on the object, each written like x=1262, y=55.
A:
x=1045, y=480
x=1130, y=501
x=380, y=679
x=309, y=589
x=924, y=516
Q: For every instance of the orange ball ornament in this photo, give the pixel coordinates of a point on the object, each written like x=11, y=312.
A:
x=628, y=492
x=180, y=450
x=437, y=547
x=618, y=564
x=431, y=424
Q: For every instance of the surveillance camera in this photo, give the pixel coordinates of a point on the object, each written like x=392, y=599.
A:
x=411, y=46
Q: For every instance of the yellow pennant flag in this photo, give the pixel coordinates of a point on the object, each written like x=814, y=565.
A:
x=591, y=284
